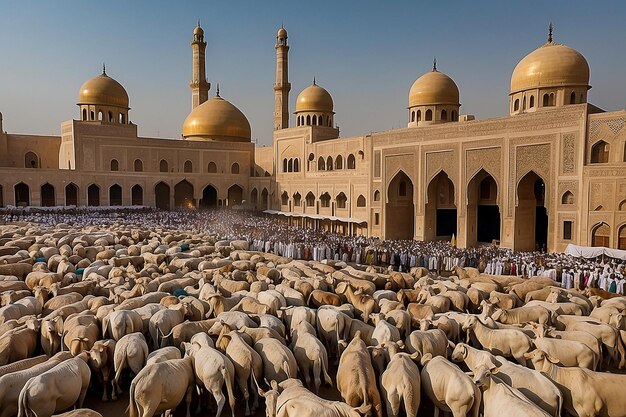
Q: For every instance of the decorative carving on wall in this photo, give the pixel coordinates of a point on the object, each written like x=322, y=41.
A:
x=530, y=154
x=569, y=153
x=615, y=125
x=595, y=195
x=445, y=161
x=488, y=159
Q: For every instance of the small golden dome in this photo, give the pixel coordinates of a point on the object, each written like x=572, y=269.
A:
x=103, y=90
x=434, y=87
x=282, y=33
x=217, y=119
x=550, y=65
x=198, y=30
x=314, y=98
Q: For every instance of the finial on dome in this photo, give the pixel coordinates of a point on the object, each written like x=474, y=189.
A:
x=434, y=63
x=104, y=69
x=217, y=92
x=198, y=22
x=314, y=80
x=550, y=27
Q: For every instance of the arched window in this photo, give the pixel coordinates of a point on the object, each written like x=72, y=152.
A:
x=93, y=195
x=413, y=116
x=516, y=105
x=234, y=168
x=351, y=163
x=329, y=163
x=360, y=202
x=600, y=153
x=163, y=166
x=138, y=165
x=188, y=166
x=572, y=98
x=419, y=115
x=310, y=199
x=546, y=100
x=212, y=168
x=402, y=189
x=136, y=194
x=376, y=195
x=296, y=165
x=582, y=98
x=444, y=115
x=115, y=165
x=100, y=115
x=314, y=120
x=31, y=160
x=110, y=119
x=84, y=114
x=325, y=200
x=290, y=165
x=296, y=199
x=600, y=235
x=308, y=120
x=429, y=115
x=552, y=99
x=341, y=200
x=621, y=238
x=339, y=162
x=254, y=196
x=532, y=102
x=567, y=198
x=284, y=198
x=92, y=115
x=329, y=122
x=285, y=165
x=524, y=104
x=122, y=118
x=321, y=164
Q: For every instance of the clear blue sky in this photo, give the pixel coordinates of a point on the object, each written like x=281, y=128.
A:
x=366, y=53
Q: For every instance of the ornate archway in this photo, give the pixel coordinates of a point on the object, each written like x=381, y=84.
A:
x=209, y=197
x=440, y=209
x=483, y=212
x=399, y=209
x=183, y=195
x=162, y=196
x=531, y=216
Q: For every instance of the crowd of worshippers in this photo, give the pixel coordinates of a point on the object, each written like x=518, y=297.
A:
x=270, y=233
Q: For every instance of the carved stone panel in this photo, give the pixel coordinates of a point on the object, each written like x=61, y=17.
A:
x=488, y=159
x=445, y=161
x=569, y=154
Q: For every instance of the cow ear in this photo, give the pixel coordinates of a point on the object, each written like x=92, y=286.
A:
x=274, y=385
x=552, y=359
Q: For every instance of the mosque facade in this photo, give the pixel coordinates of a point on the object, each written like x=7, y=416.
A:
x=552, y=172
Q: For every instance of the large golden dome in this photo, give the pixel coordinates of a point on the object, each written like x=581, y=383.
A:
x=315, y=99
x=434, y=87
x=550, y=65
x=103, y=90
x=217, y=119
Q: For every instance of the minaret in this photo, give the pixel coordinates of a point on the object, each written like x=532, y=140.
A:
x=282, y=85
x=199, y=85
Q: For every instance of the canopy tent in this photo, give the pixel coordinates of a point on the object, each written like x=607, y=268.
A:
x=316, y=216
x=593, y=252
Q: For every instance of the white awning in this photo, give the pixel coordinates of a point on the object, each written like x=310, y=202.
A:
x=316, y=216
x=593, y=252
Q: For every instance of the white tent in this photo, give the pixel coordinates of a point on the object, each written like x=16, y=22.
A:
x=593, y=252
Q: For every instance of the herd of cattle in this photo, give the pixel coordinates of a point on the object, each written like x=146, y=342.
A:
x=189, y=318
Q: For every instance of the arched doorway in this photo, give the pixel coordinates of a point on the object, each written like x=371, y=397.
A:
x=254, y=198
x=136, y=195
x=621, y=237
x=71, y=195
x=264, y=199
x=209, y=197
x=483, y=213
x=399, y=211
x=93, y=195
x=22, y=195
x=600, y=235
x=183, y=195
x=235, y=195
x=531, y=216
x=440, y=215
x=162, y=196
x=47, y=195
x=115, y=195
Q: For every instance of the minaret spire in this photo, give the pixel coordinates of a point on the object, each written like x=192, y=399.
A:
x=217, y=92
x=550, y=27
x=199, y=85
x=314, y=80
x=104, y=69
x=434, y=63
x=282, y=85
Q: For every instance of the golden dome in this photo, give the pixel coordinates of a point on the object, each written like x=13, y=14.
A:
x=434, y=87
x=550, y=65
x=103, y=90
x=217, y=119
x=198, y=30
x=314, y=98
x=282, y=33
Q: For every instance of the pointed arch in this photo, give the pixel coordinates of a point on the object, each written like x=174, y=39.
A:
x=531, y=216
x=138, y=165
x=22, y=194
x=310, y=199
x=264, y=199
x=93, y=195
x=321, y=164
x=360, y=201
x=254, y=196
x=115, y=165
x=212, y=168
x=600, y=152
x=234, y=168
x=600, y=235
x=115, y=195
x=235, y=195
x=284, y=198
x=341, y=200
x=339, y=162
x=48, y=198
x=183, y=195
x=136, y=195
x=71, y=194
x=163, y=166
x=162, y=195
x=351, y=162
x=325, y=199
x=329, y=163
x=376, y=195
x=31, y=160
x=209, y=196
x=399, y=208
x=441, y=209
x=483, y=222
x=188, y=166
x=297, y=199
x=567, y=198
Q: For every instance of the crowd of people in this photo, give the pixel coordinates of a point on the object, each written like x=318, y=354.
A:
x=269, y=233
